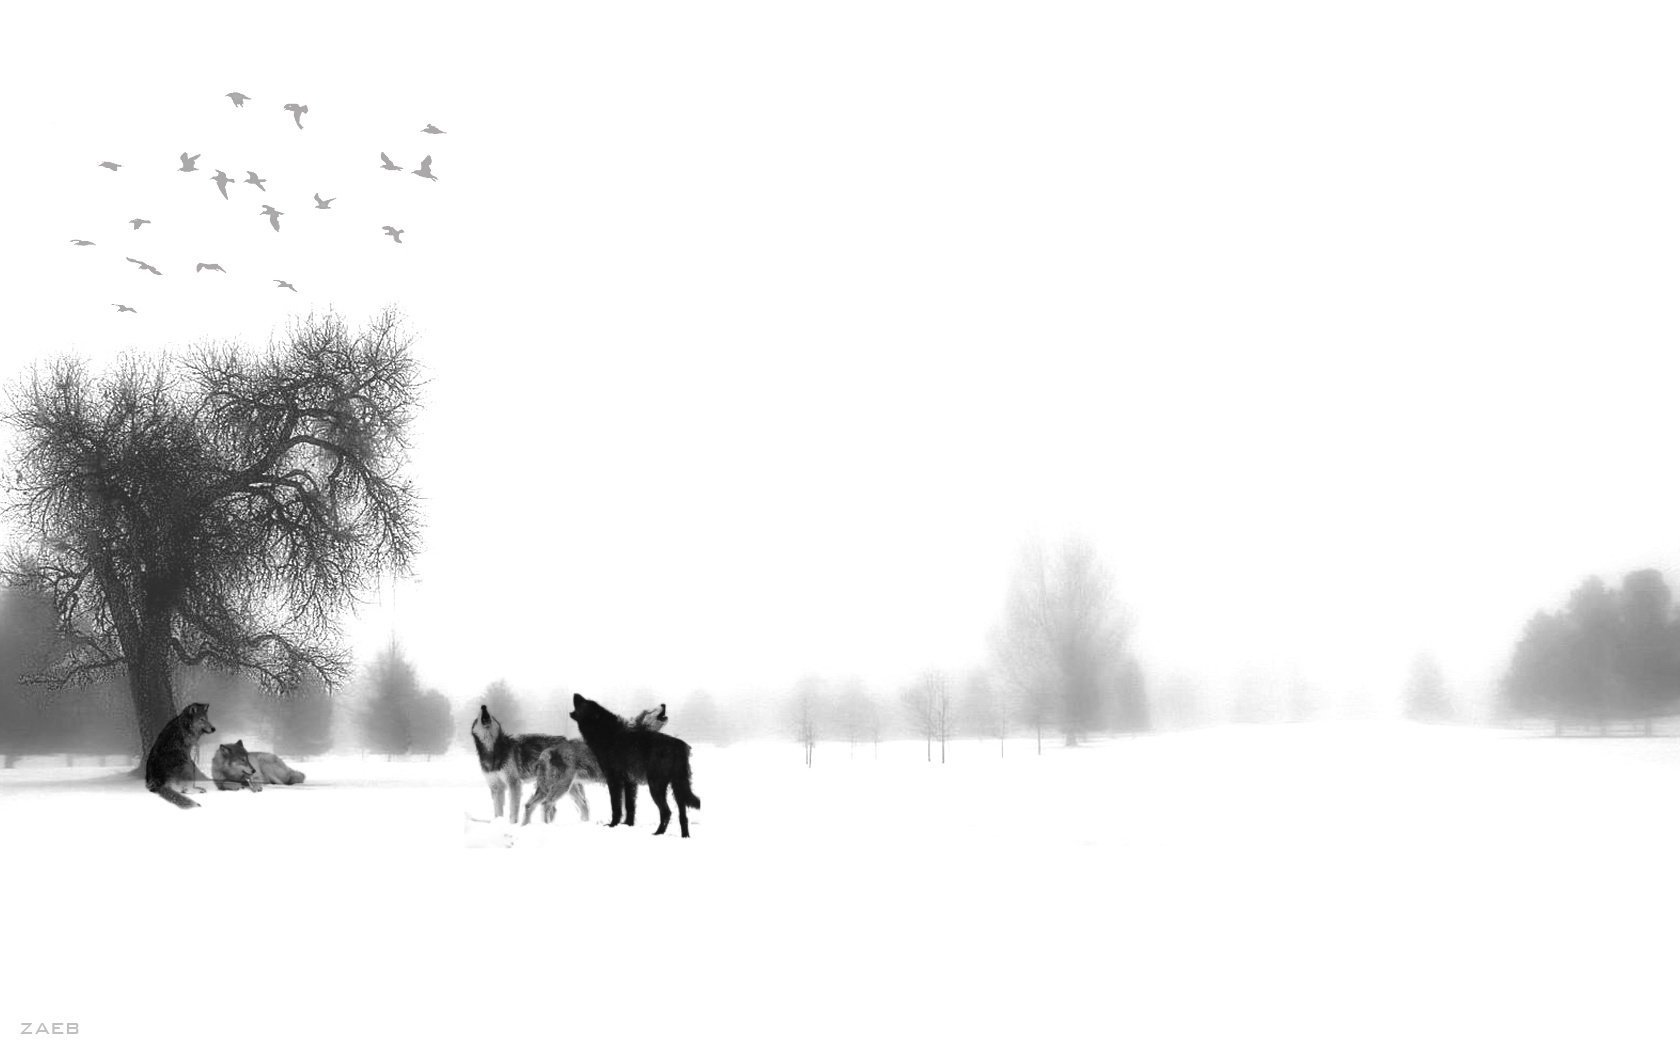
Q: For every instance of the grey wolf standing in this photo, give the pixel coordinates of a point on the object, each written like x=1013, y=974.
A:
x=508, y=761
x=170, y=763
x=629, y=755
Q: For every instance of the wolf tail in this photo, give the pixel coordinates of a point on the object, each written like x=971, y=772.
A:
x=684, y=790
x=169, y=794
x=294, y=777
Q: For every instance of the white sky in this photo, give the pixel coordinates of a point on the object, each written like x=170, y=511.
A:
x=762, y=335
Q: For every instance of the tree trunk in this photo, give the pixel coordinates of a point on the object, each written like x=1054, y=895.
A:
x=152, y=688
x=942, y=749
x=1038, y=731
x=8, y=761
x=1557, y=725
x=930, y=748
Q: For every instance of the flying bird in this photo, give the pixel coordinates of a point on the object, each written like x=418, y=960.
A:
x=425, y=169
x=394, y=233
x=113, y=165
x=137, y=223
x=209, y=266
x=324, y=204
x=238, y=99
x=82, y=244
x=432, y=129
x=297, y=112
x=284, y=284
x=121, y=309
x=273, y=216
x=221, y=180
x=389, y=165
x=148, y=267
x=254, y=179
x=189, y=163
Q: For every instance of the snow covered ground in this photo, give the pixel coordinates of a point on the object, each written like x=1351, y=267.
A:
x=1325, y=885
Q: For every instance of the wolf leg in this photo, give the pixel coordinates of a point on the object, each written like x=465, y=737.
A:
x=497, y=791
x=516, y=787
x=536, y=800
x=629, y=803
x=615, y=792
x=581, y=799
x=656, y=788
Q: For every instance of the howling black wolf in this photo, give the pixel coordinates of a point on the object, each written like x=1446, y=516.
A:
x=635, y=754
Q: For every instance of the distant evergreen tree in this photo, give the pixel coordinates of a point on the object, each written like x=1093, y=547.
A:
x=504, y=706
x=432, y=723
x=85, y=718
x=26, y=637
x=1426, y=692
x=390, y=696
x=1607, y=655
x=1648, y=652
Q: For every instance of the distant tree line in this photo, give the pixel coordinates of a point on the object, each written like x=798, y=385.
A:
x=1608, y=655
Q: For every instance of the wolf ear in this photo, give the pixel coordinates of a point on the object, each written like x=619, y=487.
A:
x=239, y=743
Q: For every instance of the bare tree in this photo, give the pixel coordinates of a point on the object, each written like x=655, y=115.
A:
x=1061, y=638
x=929, y=708
x=805, y=715
x=221, y=507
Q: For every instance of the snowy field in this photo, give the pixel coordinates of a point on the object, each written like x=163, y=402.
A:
x=1334, y=885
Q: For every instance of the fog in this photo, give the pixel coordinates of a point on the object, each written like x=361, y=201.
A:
x=761, y=342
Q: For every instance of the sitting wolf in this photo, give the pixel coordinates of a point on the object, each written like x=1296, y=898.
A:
x=170, y=762
x=235, y=768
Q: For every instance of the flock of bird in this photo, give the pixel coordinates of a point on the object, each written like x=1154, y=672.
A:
x=189, y=163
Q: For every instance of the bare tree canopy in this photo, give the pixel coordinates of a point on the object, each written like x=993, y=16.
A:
x=1062, y=637
x=221, y=507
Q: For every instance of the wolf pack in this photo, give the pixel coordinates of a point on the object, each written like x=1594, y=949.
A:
x=621, y=753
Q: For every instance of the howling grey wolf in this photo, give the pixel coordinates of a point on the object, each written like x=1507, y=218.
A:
x=629, y=755
x=170, y=761
x=508, y=761
x=236, y=768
